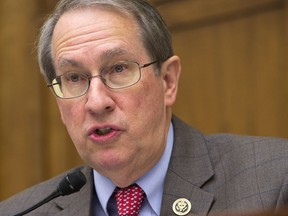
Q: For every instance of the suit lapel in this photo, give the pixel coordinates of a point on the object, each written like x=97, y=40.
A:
x=80, y=202
x=189, y=169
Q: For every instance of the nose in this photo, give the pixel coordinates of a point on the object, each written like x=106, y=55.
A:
x=99, y=98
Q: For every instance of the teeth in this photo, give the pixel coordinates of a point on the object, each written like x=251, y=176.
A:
x=103, y=131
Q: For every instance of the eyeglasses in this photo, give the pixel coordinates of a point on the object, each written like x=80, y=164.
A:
x=120, y=75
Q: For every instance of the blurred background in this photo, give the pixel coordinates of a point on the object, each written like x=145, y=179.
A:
x=234, y=80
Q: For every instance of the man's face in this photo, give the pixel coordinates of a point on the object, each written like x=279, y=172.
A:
x=120, y=133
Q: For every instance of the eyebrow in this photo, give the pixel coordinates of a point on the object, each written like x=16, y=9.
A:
x=113, y=53
x=64, y=62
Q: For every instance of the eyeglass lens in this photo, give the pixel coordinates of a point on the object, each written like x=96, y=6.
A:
x=119, y=75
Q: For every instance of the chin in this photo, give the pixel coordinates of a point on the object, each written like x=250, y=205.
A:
x=108, y=161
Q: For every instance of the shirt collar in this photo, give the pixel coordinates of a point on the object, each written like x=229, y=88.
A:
x=152, y=182
x=104, y=189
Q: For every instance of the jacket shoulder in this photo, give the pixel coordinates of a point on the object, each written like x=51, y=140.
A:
x=32, y=195
x=252, y=169
x=261, y=145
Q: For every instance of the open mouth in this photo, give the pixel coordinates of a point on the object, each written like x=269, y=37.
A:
x=103, y=131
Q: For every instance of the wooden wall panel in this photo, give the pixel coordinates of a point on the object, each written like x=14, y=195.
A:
x=233, y=77
x=33, y=142
x=178, y=13
x=20, y=133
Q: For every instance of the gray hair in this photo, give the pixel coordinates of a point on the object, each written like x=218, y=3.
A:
x=153, y=30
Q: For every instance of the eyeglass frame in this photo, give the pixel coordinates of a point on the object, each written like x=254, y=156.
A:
x=89, y=78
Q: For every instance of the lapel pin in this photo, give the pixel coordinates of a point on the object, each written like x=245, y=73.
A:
x=181, y=206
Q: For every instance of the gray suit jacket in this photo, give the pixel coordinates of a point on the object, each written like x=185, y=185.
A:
x=216, y=173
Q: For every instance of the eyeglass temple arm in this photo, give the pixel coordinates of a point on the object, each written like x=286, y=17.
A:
x=153, y=62
x=51, y=84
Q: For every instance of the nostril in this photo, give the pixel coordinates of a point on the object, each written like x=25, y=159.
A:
x=108, y=108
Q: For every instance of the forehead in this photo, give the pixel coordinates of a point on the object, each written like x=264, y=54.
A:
x=97, y=32
x=89, y=19
x=95, y=27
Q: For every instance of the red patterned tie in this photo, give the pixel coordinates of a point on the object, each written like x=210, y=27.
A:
x=129, y=200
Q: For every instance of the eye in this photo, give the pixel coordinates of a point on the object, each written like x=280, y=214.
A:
x=116, y=70
x=119, y=68
x=74, y=77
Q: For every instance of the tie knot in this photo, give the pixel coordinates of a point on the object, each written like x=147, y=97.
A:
x=129, y=200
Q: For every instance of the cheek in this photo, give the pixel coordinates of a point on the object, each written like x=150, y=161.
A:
x=152, y=96
x=147, y=102
x=70, y=112
x=72, y=117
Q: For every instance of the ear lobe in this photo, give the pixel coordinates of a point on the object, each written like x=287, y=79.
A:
x=170, y=71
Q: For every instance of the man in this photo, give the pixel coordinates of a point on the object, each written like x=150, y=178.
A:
x=111, y=66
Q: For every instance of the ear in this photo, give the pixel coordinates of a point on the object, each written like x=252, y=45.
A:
x=170, y=72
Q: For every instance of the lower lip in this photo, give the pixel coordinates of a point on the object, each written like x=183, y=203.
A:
x=104, y=138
